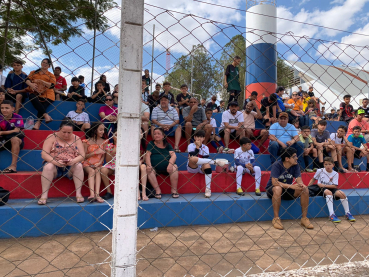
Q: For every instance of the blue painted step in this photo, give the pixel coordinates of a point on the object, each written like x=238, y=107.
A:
x=24, y=218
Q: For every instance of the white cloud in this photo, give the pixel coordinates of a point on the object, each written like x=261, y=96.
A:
x=337, y=2
x=293, y=57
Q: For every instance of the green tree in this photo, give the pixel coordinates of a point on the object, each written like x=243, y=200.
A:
x=283, y=73
x=48, y=21
x=204, y=72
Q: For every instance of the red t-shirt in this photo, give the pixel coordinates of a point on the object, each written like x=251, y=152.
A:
x=60, y=82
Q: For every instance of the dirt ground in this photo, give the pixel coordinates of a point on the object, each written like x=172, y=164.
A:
x=219, y=250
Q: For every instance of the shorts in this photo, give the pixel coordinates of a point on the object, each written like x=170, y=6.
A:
x=195, y=170
x=315, y=190
x=233, y=134
x=63, y=172
x=287, y=194
x=171, y=132
x=8, y=144
x=77, y=127
x=256, y=133
x=357, y=154
x=12, y=97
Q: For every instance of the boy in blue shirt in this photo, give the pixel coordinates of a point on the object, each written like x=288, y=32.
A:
x=357, y=140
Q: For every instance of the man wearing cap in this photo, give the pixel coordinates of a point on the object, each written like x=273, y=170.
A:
x=283, y=135
x=359, y=121
x=232, y=124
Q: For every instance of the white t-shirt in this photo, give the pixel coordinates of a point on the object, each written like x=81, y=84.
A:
x=203, y=150
x=326, y=178
x=244, y=157
x=83, y=117
x=2, y=80
x=233, y=120
x=213, y=124
x=337, y=140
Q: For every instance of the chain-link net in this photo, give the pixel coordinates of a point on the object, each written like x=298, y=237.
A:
x=209, y=199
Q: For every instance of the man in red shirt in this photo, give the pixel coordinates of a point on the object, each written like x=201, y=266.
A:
x=359, y=121
x=61, y=84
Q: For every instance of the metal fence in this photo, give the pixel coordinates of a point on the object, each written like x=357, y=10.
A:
x=199, y=212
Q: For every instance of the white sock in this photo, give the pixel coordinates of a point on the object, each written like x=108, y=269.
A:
x=345, y=205
x=329, y=200
x=257, y=177
x=239, y=176
x=208, y=180
x=205, y=161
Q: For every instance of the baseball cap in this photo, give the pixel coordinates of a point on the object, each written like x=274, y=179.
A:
x=164, y=96
x=360, y=111
x=283, y=114
x=233, y=103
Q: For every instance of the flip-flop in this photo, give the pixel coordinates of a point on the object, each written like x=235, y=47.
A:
x=158, y=195
x=9, y=171
x=80, y=199
x=175, y=195
x=177, y=150
x=89, y=199
x=42, y=201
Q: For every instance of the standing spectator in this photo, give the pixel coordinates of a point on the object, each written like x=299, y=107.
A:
x=183, y=98
x=342, y=146
x=41, y=82
x=115, y=94
x=358, y=145
x=232, y=80
x=359, y=121
x=309, y=149
x=2, y=78
x=109, y=115
x=61, y=84
x=346, y=112
x=213, y=105
x=98, y=96
x=281, y=186
x=365, y=107
x=81, y=79
x=80, y=118
x=195, y=119
x=147, y=79
x=144, y=93
x=332, y=116
x=269, y=109
x=232, y=124
x=283, y=135
x=11, y=135
x=249, y=117
x=15, y=85
x=253, y=96
x=221, y=108
x=75, y=91
x=203, y=103
x=166, y=117
x=105, y=84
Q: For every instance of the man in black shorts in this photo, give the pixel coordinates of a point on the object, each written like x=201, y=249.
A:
x=281, y=186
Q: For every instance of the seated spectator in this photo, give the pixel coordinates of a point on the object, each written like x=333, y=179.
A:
x=333, y=116
x=98, y=96
x=75, y=91
x=63, y=154
x=157, y=88
x=346, y=112
x=297, y=109
x=313, y=112
x=309, y=149
x=106, y=86
x=322, y=113
x=282, y=187
x=183, y=98
x=147, y=79
x=253, y=97
x=109, y=167
x=213, y=105
x=15, y=85
x=283, y=135
x=195, y=119
x=342, y=146
x=166, y=117
x=167, y=87
x=109, y=115
x=358, y=145
x=2, y=78
x=214, y=138
x=300, y=92
x=115, y=94
x=41, y=83
x=232, y=124
x=82, y=81
x=154, y=99
x=144, y=93
x=61, y=84
x=94, y=148
x=145, y=111
x=11, y=135
x=316, y=99
x=297, y=126
x=249, y=117
x=269, y=109
x=203, y=104
x=365, y=107
x=80, y=119
x=280, y=92
x=161, y=159
x=2, y=95
x=143, y=170
x=359, y=121
x=221, y=108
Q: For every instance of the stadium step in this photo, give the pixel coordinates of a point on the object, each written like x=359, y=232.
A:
x=27, y=185
x=24, y=218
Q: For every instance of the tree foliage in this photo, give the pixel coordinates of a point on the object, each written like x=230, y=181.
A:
x=48, y=21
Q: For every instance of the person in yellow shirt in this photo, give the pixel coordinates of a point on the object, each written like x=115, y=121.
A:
x=305, y=100
x=298, y=109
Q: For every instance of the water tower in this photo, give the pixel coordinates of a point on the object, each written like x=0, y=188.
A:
x=261, y=47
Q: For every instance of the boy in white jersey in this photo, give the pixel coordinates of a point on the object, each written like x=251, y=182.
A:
x=214, y=138
x=244, y=158
x=327, y=186
x=198, y=159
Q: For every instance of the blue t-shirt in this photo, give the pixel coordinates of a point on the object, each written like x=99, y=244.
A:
x=284, y=175
x=280, y=103
x=283, y=134
x=16, y=82
x=356, y=141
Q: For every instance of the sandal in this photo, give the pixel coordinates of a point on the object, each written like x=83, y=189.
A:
x=177, y=150
x=158, y=195
x=175, y=195
x=9, y=171
x=42, y=201
x=80, y=199
x=90, y=199
x=99, y=200
x=220, y=149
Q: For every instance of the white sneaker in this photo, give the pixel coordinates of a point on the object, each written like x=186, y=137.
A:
x=207, y=193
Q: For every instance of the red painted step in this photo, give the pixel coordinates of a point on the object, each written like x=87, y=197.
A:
x=28, y=184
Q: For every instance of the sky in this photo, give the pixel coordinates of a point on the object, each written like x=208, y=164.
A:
x=181, y=24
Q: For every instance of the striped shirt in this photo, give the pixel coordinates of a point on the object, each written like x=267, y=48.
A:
x=166, y=118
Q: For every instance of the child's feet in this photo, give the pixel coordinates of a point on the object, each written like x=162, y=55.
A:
x=350, y=217
x=220, y=149
x=334, y=218
x=145, y=198
x=240, y=192
x=257, y=192
x=207, y=193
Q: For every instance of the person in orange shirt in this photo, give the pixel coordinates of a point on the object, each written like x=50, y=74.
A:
x=298, y=109
x=41, y=84
x=359, y=121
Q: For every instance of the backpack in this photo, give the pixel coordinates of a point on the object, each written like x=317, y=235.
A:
x=4, y=196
